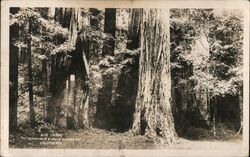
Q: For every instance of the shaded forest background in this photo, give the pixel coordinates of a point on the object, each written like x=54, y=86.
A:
x=158, y=73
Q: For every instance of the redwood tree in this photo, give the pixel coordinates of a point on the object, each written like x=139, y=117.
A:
x=153, y=116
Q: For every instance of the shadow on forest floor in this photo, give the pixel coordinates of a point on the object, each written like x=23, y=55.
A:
x=103, y=139
x=223, y=133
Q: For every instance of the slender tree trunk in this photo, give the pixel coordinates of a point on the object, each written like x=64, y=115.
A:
x=48, y=95
x=109, y=28
x=45, y=87
x=85, y=97
x=44, y=71
x=214, y=115
x=30, y=79
x=241, y=112
x=208, y=107
x=153, y=116
x=51, y=90
x=85, y=110
x=14, y=33
x=134, y=29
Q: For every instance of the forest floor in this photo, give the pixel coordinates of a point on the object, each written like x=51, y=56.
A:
x=103, y=139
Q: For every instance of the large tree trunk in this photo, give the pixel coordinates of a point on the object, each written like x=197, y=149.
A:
x=80, y=66
x=153, y=116
x=30, y=78
x=69, y=113
x=14, y=33
x=109, y=28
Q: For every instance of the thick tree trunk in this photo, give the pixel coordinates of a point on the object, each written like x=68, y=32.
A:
x=71, y=113
x=109, y=28
x=14, y=33
x=30, y=79
x=153, y=116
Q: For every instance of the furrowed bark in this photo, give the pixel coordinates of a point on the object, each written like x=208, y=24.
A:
x=134, y=29
x=85, y=98
x=153, y=116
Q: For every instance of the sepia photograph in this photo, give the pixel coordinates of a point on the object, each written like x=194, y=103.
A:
x=126, y=78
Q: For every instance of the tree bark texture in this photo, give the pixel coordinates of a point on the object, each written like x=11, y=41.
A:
x=134, y=29
x=30, y=78
x=241, y=111
x=14, y=33
x=153, y=116
x=69, y=112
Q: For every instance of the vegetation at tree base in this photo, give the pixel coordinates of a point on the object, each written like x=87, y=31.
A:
x=157, y=73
